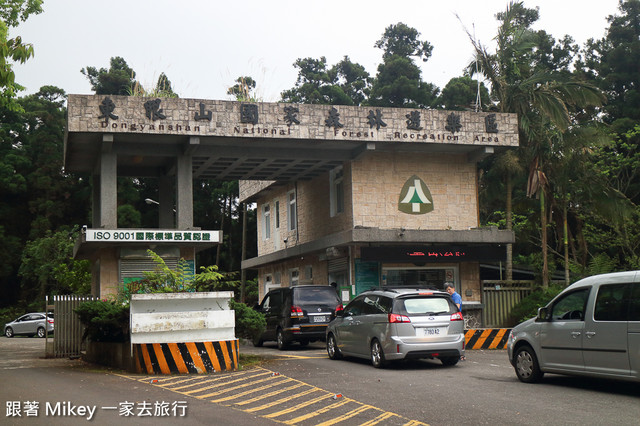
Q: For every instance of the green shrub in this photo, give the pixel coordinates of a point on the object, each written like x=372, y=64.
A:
x=528, y=307
x=250, y=323
x=106, y=321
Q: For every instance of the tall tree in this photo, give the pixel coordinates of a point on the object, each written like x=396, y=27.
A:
x=38, y=197
x=346, y=83
x=119, y=79
x=542, y=97
x=461, y=93
x=612, y=63
x=243, y=89
x=13, y=49
x=398, y=82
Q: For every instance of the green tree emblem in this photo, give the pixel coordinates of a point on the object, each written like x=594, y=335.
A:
x=415, y=197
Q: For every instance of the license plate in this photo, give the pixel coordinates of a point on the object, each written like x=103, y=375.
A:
x=319, y=318
x=431, y=331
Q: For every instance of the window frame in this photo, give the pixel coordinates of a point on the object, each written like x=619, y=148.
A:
x=266, y=222
x=336, y=191
x=292, y=210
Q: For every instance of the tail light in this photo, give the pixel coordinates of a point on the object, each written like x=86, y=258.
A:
x=456, y=317
x=339, y=308
x=296, y=311
x=395, y=318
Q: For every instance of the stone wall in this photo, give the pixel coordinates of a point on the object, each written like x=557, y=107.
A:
x=379, y=177
x=201, y=117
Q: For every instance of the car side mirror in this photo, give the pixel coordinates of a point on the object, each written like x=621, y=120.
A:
x=543, y=314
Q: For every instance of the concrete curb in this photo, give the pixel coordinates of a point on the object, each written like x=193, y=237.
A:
x=487, y=338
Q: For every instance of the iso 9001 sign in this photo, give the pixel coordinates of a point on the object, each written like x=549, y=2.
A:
x=151, y=235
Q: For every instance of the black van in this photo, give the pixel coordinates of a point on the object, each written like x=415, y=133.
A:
x=297, y=314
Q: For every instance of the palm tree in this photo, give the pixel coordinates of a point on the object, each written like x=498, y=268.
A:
x=542, y=98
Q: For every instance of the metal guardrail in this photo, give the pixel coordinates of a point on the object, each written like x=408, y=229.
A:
x=499, y=298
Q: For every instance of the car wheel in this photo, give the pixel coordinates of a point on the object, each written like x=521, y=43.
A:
x=41, y=332
x=257, y=342
x=8, y=332
x=281, y=340
x=449, y=360
x=332, y=347
x=526, y=365
x=377, y=354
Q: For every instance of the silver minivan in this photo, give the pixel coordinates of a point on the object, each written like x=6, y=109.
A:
x=592, y=328
x=396, y=324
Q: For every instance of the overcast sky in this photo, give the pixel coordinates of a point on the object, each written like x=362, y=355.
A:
x=204, y=45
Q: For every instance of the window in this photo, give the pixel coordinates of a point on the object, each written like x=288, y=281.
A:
x=336, y=191
x=277, y=207
x=634, y=302
x=355, y=308
x=294, y=277
x=292, y=211
x=377, y=305
x=571, y=306
x=611, y=303
x=308, y=272
x=266, y=225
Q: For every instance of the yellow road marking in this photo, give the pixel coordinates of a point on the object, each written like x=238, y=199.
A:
x=282, y=400
x=248, y=378
x=350, y=414
x=250, y=391
x=298, y=406
x=269, y=395
x=318, y=412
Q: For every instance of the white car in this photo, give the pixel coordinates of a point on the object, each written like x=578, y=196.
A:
x=33, y=324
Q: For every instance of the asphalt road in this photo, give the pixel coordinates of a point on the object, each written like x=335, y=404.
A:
x=481, y=390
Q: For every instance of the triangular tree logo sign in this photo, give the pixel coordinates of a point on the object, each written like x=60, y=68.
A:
x=415, y=197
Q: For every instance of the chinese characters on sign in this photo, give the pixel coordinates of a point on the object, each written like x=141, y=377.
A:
x=434, y=253
x=153, y=110
x=334, y=119
x=291, y=115
x=249, y=114
x=413, y=120
x=106, y=110
x=202, y=115
x=145, y=235
x=376, y=120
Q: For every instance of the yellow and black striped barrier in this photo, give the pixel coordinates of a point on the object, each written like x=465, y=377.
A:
x=186, y=358
x=488, y=338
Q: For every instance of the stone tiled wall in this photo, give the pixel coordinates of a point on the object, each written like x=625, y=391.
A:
x=314, y=219
x=378, y=179
x=372, y=186
x=202, y=117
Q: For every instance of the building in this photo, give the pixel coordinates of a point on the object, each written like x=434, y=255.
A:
x=402, y=210
x=359, y=196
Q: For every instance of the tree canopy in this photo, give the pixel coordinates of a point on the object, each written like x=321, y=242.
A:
x=13, y=49
x=579, y=161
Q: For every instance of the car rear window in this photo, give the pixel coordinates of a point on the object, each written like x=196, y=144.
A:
x=426, y=305
x=322, y=296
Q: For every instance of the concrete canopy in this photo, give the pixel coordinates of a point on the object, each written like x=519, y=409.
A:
x=226, y=145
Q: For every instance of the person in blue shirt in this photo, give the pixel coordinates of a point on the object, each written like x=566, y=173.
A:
x=457, y=299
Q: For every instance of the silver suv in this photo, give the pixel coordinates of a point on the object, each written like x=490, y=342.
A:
x=395, y=324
